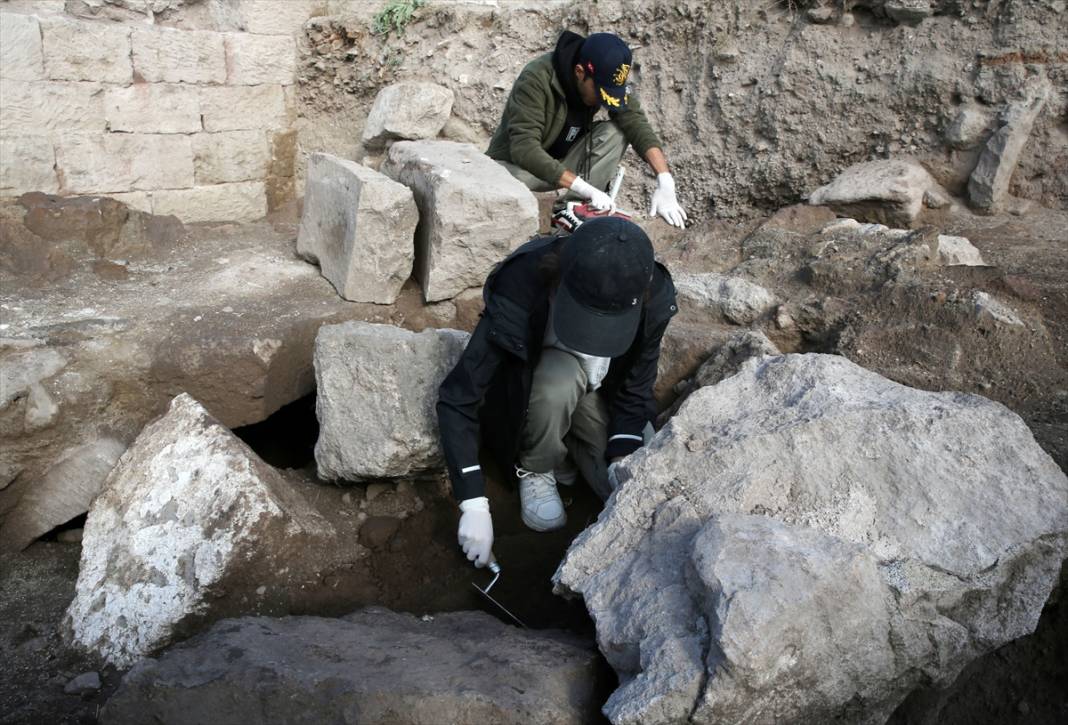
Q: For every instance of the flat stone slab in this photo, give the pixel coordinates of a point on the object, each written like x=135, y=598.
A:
x=472, y=213
x=373, y=667
x=359, y=226
x=891, y=191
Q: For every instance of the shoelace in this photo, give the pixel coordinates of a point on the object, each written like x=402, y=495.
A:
x=542, y=487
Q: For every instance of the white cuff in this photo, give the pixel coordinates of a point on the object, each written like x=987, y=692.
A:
x=479, y=503
x=583, y=189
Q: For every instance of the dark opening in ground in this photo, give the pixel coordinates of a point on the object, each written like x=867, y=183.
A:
x=287, y=438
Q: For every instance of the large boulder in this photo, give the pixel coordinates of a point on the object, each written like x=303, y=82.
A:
x=373, y=666
x=733, y=299
x=377, y=388
x=472, y=213
x=359, y=226
x=891, y=191
x=189, y=515
x=408, y=110
x=808, y=541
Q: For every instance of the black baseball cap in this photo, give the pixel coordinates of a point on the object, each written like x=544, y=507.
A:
x=608, y=59
x=605, y=268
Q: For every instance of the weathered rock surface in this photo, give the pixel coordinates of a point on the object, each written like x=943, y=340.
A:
x=891, y=192
x=913, y=531
x=988, y=187
x=378, y=666
x=472, y=212
x=410, y=110
x=377, y=387
x=104, y=330
x=65, y=492
x=359, y=226
x=958, y=251
x=189, y=514
x=735, y=299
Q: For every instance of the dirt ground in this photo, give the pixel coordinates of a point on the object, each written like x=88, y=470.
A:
x=1019, y=683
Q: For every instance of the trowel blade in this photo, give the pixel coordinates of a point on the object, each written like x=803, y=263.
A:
x=499, y=606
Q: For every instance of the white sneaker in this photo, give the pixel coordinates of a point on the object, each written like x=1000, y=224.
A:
x=542, y=509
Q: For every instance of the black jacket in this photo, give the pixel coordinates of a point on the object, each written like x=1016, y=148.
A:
x=492, y=379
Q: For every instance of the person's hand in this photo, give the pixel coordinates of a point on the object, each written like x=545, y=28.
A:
x=476, y=530
x=665, y=203
x=599, y=200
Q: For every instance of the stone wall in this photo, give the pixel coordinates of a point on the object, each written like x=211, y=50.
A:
x=181, y=107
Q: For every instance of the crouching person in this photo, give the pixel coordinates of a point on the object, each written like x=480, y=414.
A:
x=558, y=376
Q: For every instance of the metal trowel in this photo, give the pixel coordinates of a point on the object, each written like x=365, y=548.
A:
x=495, y=568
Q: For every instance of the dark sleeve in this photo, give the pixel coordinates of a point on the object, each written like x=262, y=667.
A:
x=528, y=104
x=634, y=405
x=459, y=398
x=636, y=128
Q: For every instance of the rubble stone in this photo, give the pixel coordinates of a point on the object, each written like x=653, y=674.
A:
x=377, y=386
x=358, y=225
x=967, y=129
x=410, y=110
x=735, y=299
x=958, y=251
x=84, y=51
x=909, y=12
x=991, y=312
x=902, y=556
x=472, y=213
x=381, y=668
x=188, y=514
x=166, y=55
x=988, y=187
x=887, y=192
x=152, y=108
x=20, y=50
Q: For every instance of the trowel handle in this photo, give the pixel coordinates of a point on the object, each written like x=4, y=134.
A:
x=493, y=565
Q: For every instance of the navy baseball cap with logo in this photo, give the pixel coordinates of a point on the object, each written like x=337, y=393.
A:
x=605, y=268
x=607, y=58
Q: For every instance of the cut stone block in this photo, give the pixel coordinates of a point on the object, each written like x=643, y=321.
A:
x=20, y=49
x=239, y=108
x=253, y=60
x=27, y=163
x=86, y=51
x=459, y=667
x=92, y=164
x=409, y=110
x=359, y=227
x=377, y=387
x=472, y=213
x=240, y=202
x=891, y=192
x=988, y=187
x=153, y=108
x=45, y=107
x=166, y=55
x=230, y=156
x=279, y=18
x=189, y=514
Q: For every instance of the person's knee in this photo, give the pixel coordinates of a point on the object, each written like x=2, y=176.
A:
x=554, y=393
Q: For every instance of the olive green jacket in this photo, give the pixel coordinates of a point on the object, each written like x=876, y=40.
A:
x=535, y=114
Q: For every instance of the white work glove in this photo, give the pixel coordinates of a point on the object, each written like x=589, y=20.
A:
x=599, y=200
x=665, y=203
x=476, y=530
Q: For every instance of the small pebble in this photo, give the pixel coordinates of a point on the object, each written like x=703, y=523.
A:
x=83, y=684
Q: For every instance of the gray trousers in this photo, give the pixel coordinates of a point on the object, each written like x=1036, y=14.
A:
x=562, y=419
x=608, y=146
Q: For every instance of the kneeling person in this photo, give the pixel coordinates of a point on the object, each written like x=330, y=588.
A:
x=559, y=371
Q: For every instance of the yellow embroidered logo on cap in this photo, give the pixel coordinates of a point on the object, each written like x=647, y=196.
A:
x=610, y=100
x=621, y=74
